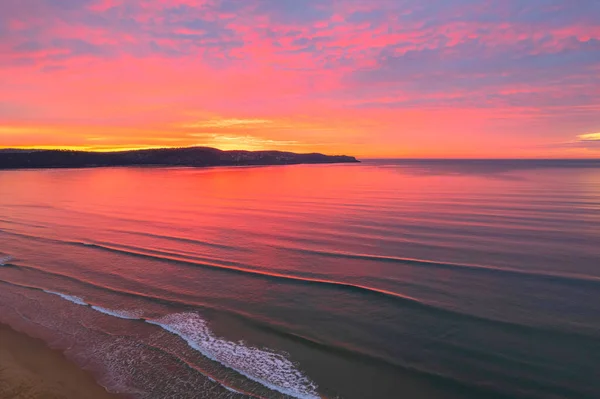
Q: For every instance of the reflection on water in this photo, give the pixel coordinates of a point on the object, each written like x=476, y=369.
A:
x=435, y=279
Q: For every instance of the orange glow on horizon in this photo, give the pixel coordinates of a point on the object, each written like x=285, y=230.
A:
x=318, y=135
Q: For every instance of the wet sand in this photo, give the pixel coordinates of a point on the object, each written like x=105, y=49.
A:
x=31, y=370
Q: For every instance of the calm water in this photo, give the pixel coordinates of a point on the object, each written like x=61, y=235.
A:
x=386, y=279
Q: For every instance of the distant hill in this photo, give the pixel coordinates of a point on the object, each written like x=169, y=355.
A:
x=16, y=150
x=191, y=156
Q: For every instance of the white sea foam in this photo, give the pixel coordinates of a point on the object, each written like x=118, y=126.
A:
x=4, y=260
x=268, y=368
x=70, y=298
x=231, y=389
x=123, y=314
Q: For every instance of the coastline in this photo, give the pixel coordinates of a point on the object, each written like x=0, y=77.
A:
x=186, y=156
x=30, y=369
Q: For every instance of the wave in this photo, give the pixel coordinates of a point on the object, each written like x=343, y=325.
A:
x=4, y=260
x=239, y=267
x=71, y=298
x=129, y=315
x=31, y=236
x=181, y=239
x=122, y=314
x=271, y=369
x=362, y=289
x=171, y=257
x=579, y=278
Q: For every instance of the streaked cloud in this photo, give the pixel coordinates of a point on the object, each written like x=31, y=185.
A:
x=589, y=137
x=243, y=142
x=226, y=123
x=589, y=141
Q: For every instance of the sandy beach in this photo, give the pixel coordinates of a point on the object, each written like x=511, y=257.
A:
x=31, y=370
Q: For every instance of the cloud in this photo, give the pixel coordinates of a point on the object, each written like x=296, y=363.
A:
x=589, y=138
x=587, y=141
x=226, y=123
x=294, y=11
x=473, y=64
x=242, y=142
x=53, y=68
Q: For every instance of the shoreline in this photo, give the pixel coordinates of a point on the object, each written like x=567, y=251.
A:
x=30, y=369
x=187, y=156
x=169, y=166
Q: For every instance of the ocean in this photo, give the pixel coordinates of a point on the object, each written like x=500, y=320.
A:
x=384, y=279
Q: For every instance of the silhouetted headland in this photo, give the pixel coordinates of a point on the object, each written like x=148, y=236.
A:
x=191, y=156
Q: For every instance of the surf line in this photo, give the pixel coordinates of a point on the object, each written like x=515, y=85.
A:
x=304, y=390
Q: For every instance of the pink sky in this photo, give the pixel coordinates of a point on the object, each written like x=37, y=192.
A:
x=401, y=78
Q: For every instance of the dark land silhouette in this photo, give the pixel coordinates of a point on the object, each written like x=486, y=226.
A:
x=191, y=156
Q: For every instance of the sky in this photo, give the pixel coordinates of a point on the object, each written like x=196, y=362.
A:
x=370, y=78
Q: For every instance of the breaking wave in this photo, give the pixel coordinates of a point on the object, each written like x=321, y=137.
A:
x=122, y=314
x=273, y=370
x=71, y=298
x=270, y=369
x=5, y=259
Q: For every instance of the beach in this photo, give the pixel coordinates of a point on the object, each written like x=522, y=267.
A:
x=29, y=369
